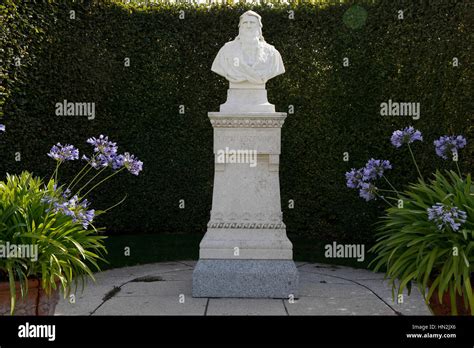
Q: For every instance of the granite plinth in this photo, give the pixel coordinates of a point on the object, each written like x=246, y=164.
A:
x=245, y=278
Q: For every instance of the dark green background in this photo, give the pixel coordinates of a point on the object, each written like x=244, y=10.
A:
x=336, y=108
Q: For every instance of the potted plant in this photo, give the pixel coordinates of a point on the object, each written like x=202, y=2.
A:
x=48, y=240
x=427, y=233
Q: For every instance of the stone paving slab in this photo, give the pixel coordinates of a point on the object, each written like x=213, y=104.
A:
x=160, y=288
x=152, y=305
x=178, y=275
x=412, y=304
x=330, y=290
x=341, y=271
x=142, y=270
x=321, y=278
x=239, y=306
x=84, y=302
x=166, y=288
x=338, y=306
x=82, y=306
x=190, y=263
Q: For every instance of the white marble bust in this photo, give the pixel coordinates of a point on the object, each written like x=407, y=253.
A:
x=248, y=59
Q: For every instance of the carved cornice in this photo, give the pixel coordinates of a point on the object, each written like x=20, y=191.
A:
x=249, y=225
x=247, y=122
x=246, y=220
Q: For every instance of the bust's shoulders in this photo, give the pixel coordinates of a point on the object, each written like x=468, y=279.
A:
x=270, y=48
x=230, y=44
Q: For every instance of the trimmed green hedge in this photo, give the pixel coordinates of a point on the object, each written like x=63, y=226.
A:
x=336, y=108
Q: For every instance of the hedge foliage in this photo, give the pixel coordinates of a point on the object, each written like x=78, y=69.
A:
x=336, y=108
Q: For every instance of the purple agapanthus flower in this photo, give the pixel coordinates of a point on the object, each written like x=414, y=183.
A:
x=367, y=191
x=66, y=194
x=84, y=204
x=52, y=199
x=77, y=210
x=445, y=216
x=48, y=200
x=63, y=153
x=86, y=217
x=105, y=152
x=99, y=161
x=449, y=145
x=118, y=162
x=103, y=145
x=2, y=128
x=405, y=136
x=374, y=169
x=71, y=206
x=354, y=178
x=133, y=165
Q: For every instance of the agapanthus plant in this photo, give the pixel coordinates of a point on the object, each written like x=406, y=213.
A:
x=34, y=213
x=428, y=235
x=58, y=218
x=429, y=240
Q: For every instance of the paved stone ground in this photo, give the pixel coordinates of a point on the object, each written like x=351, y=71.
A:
x=165, y=289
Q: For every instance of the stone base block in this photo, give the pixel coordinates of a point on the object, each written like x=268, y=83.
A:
x=245, y=278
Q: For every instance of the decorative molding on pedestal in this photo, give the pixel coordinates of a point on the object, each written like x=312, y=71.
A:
x=250, y=120
x=246, y=221
x=256, y=225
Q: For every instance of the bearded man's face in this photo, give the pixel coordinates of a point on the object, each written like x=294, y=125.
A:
x=249, y=28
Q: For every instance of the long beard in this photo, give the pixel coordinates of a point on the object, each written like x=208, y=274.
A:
x=249, y=39
x=251, y=45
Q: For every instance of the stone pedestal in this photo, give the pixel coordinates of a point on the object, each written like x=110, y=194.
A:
x=245, y=252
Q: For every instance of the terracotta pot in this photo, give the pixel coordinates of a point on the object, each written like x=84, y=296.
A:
x=36, y=302
x=445, y=307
